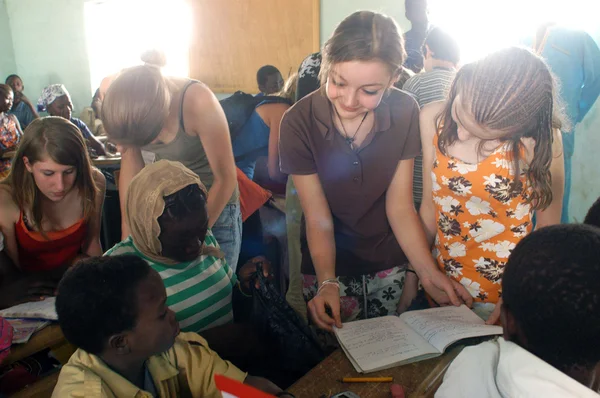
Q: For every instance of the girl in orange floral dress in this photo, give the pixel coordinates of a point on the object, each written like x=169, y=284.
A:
x=492, y=157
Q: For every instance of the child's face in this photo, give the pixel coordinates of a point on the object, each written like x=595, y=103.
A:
x=156, y=327
x=16, y=84
x=467, y=127
x=6, y=102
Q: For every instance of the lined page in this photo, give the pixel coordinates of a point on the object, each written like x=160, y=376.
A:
x=445, y=325
x=380, y=342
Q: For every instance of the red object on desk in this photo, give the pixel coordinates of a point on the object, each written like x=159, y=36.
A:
x=234, y=389
x=6, y=334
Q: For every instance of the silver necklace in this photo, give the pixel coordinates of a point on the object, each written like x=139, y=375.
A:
x=349, y=140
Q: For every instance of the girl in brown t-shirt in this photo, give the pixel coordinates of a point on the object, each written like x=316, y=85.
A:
x=350, y=148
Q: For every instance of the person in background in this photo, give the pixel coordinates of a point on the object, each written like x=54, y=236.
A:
x=350, y=148
x=55, y=99
x=441, y=57
x=593, y=215
x=492, y=156
x=416, y=12
x=10, y=129
x=574, y=58
x=551, y=322
x=269, y=80
x=51, y=207
x=308, y=76
x=22, y=108
x=177, y=119
x=114, y=309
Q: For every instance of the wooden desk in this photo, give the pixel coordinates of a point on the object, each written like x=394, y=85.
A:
x=49, y=337
x=420, y=379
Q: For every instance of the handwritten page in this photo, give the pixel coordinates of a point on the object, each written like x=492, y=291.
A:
x=446, y=325
x=44, y=309
x=380, y=343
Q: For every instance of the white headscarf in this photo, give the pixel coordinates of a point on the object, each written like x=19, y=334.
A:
x=50, y=94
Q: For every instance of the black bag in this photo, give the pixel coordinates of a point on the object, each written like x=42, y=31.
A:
x=239, y=107
x=297, y=347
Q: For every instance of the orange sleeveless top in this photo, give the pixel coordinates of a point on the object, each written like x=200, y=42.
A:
x=39, y=253
x=479, y=219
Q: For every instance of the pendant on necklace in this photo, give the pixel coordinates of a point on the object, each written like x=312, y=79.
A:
x=350, y=141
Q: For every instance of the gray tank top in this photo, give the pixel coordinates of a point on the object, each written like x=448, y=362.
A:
x=188, y=150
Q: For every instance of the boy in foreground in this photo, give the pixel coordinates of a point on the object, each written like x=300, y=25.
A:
x=551, y=321
x=114, y=309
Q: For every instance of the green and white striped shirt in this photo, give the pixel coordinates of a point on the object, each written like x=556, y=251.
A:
x=199, y=292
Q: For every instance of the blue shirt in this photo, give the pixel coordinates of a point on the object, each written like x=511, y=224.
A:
x=87, y=134
x=251, y=143
x=23, y=113
x=574, y=58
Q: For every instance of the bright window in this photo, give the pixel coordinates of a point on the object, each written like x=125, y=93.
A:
x=484, y=26
x=119, y=31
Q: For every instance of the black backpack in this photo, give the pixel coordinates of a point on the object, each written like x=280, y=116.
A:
x=239, y=107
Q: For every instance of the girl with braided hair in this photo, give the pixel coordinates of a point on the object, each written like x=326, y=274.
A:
x=492, y=157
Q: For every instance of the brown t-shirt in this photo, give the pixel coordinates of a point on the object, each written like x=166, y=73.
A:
x=355, y=182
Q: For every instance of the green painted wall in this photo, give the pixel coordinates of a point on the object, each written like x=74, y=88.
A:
x=7, y=54
x=50, y=46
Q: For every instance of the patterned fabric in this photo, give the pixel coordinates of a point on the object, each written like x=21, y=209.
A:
x=199, y=291
x=480, y=219
x=308, y=76
x=9, y=139
x=50, y=94
x=378, y=293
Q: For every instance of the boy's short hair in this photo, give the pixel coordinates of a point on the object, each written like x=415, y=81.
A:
x=443, y=46
x=593, y=215
x=264, y=72
x=551, y=285
x=97, y=298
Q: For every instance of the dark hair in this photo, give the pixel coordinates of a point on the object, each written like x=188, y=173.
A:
x=551, y=285
x=442, y=46
x=511, y=90
x=5, y=89
x=593, y=215
x=264, y=72
x=364, y=36
x=179, y=205
x=97, y=298
x=11, y=77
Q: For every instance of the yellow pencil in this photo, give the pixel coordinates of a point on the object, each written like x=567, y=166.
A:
x=367, y=379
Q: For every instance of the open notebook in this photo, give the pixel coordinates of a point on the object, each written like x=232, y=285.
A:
x=381, y=343
x=44, y=309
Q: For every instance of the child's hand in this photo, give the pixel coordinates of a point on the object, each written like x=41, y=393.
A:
x=411, y=286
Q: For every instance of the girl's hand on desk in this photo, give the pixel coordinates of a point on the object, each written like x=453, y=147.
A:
x=327, y=298
x=445, y=291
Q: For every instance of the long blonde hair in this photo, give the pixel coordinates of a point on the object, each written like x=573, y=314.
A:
x=136, y=104
x=61, y=141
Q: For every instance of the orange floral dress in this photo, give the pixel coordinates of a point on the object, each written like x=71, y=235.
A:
x=480, y=219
